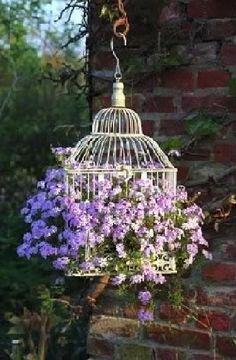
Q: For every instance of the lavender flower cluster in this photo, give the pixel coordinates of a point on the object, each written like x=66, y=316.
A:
x=124, y=226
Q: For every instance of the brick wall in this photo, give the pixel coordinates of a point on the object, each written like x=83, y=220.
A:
x=203, y=34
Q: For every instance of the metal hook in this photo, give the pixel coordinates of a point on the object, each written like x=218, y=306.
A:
x=118, y=74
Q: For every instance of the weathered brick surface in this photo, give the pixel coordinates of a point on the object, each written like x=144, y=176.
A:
x=178, y=337
x=222, y=298
x=148, y=127
x=100, y=102
x=228, y=54
x=213, y=78
x=226, y=346
x=229, y=251
x=133, y=351
x=171, y=127
x=110, y=327
x=161, y=104
x=211, y=9
x=220, y=29
x=219, y=272
x=100, y=347
x=178, y=79
x=202, y=34
x=168, y=354
x=176, y=315
x=205, y=357
x=204, y=53
x=103, y=60
x=215, y=103
x=183, y=172
x=225, y=152
x=214, y=320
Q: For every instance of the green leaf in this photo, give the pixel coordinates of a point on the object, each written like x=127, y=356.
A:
x=232, y=87
x=107, y=13
x=202, y=125
x=173, y=143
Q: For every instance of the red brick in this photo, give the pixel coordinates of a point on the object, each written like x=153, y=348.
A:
x=147, y=84
x=216, y=298
x=100, y=347
x=220, y=29
x=202, y=154
x=166, y=354
x=214, y=320
x=228, y=54
x=213, y=78
x=170, y=13
x=100, y=102
x=204, y=357
x=178, y=79
x=148, y=127
x=113, y=327
x=135, y=102
x=230, y=252
x=211, y=9
x=231, y=104
x=216, y=103
x=204, y=53
x=171, y=127
x=178, y=337
x=225, y=152
x=177, y=315
x=160, y=104
x=226, y=346
x=219, y=272
x=103, y=60
x=183, y=172
x=131, y=311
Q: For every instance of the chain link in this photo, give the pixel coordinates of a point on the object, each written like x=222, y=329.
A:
x=122, y=21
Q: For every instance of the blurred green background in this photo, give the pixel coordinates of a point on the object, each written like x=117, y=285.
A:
x=35, y=114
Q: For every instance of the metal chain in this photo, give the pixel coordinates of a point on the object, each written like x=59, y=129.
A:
x=122, y=21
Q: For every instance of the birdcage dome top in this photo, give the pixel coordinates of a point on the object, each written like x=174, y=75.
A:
x=117, y=120
x=117, y=139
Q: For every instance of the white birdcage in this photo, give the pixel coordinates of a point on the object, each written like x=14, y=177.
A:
x=117, y=147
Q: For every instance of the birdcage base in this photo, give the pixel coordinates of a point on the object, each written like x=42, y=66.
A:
x=164, y=264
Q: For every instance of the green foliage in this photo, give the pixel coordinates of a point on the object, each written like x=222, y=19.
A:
x=35, y=115
x=232, y=87
x=173, y=143
x=202, y=125
x=107, y=12
x=171, y=58
x=197, y=127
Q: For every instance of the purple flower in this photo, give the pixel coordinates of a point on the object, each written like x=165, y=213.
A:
x=27, y=237
x=46, y=250
x=191, y=224
x=119, y=279
x=136, y=279
x=149, y=250
x=160, y=279
x=100, y=262
x=87, y=266
x=25, y=250
x=207, y=254
x=119, y=232
x=61, y=263
x=121, y=250
x=145, y=315
x=144, y=297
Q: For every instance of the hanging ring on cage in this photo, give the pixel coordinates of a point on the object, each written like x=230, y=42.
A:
x=118, y=74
